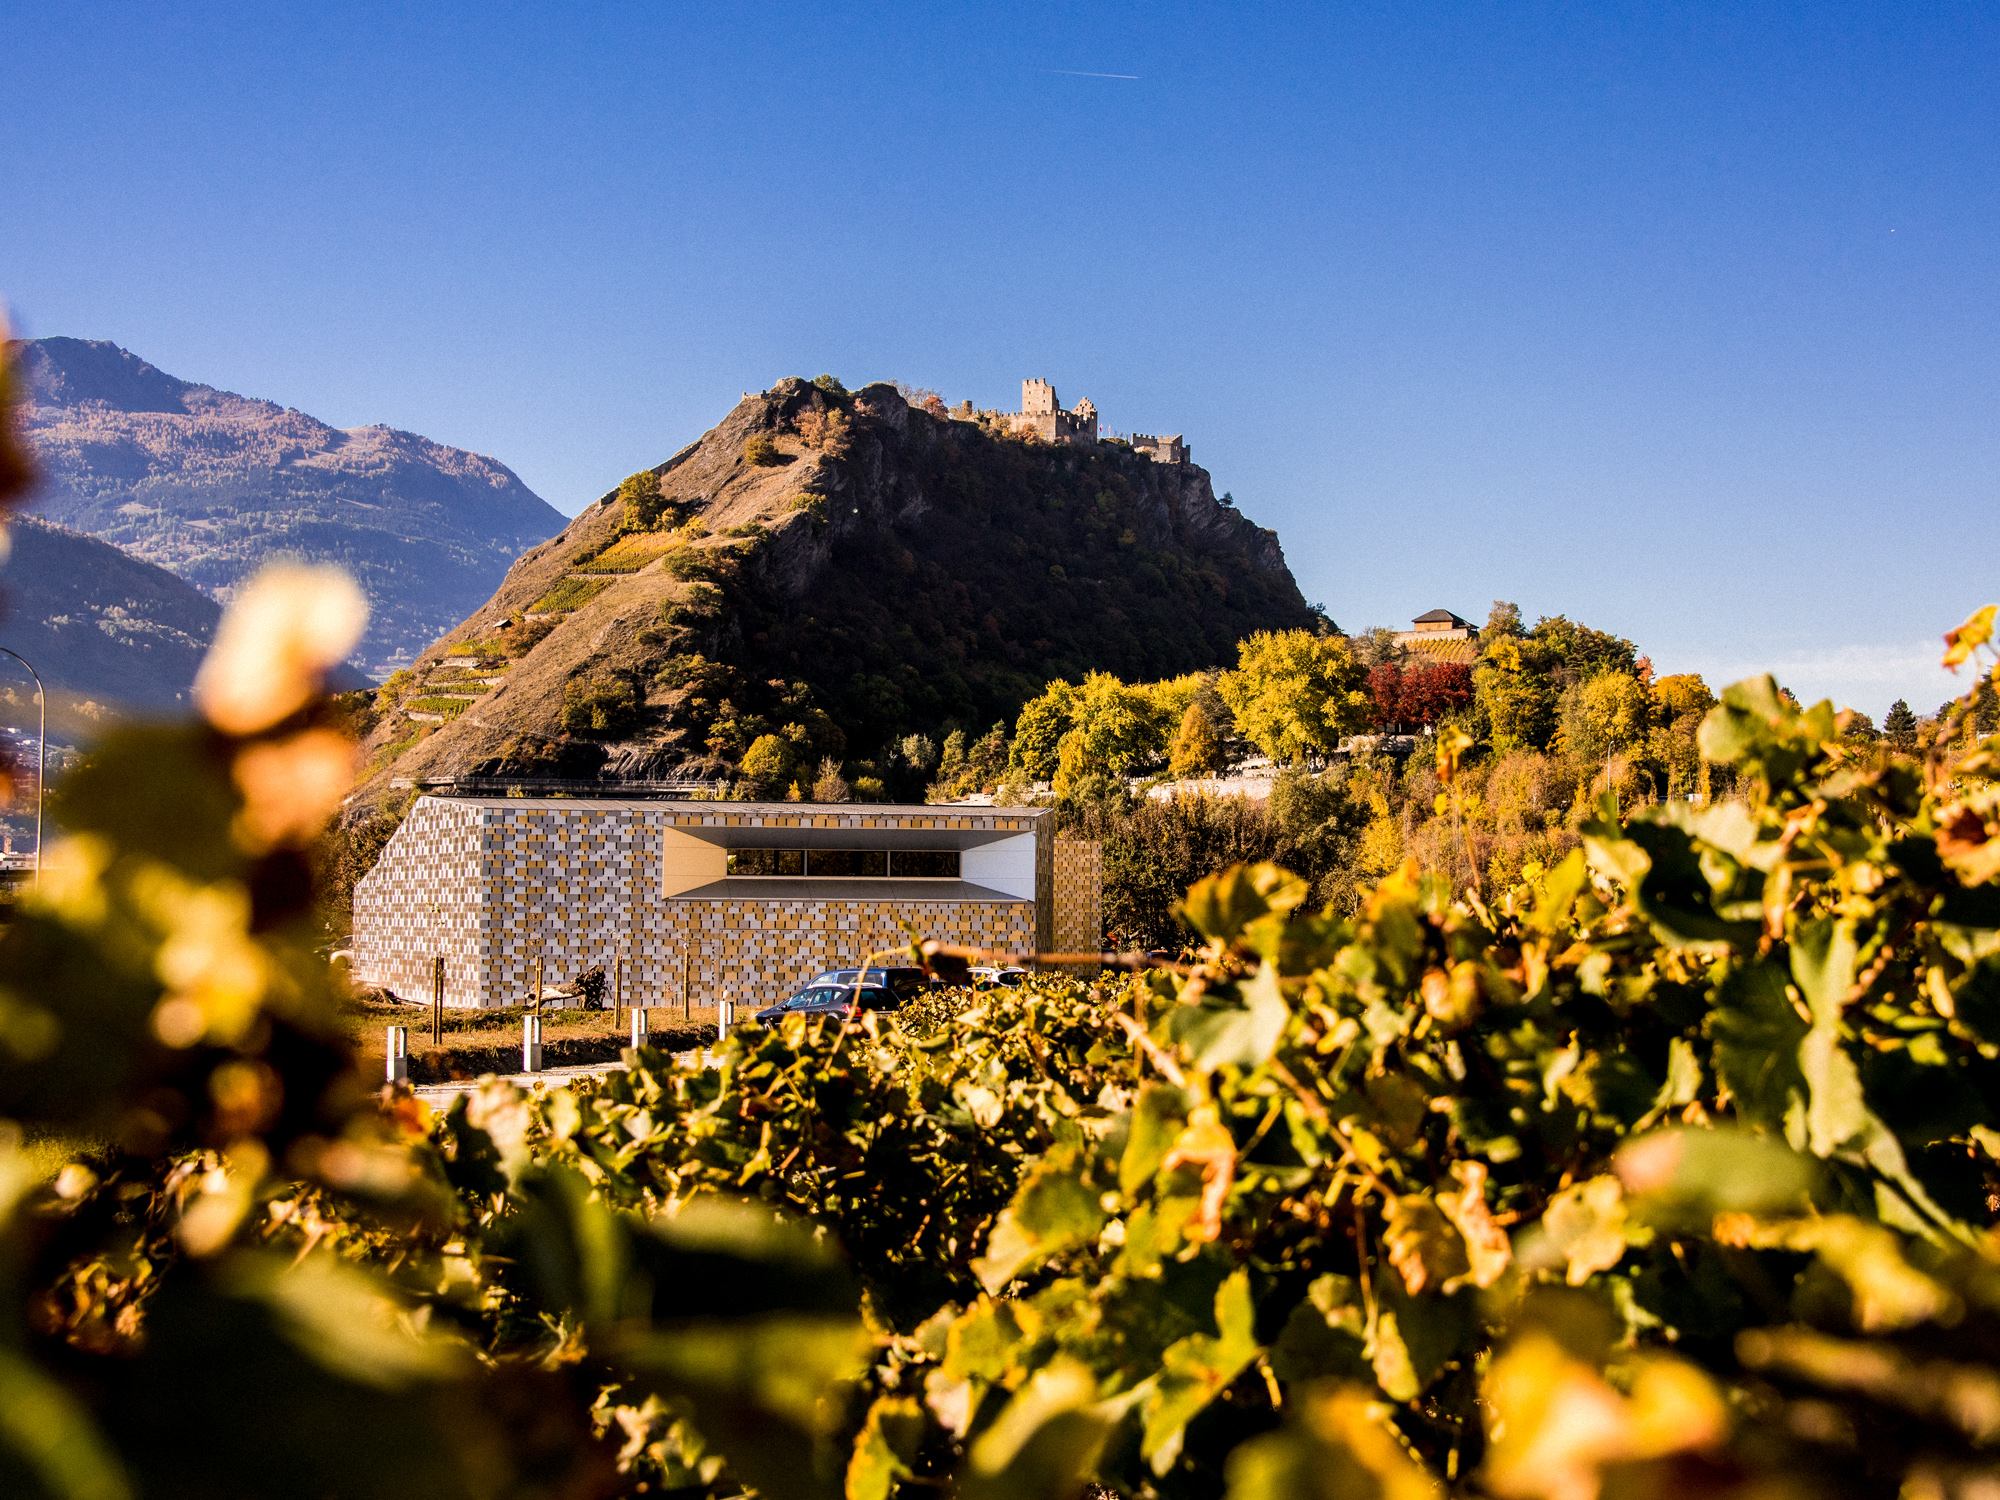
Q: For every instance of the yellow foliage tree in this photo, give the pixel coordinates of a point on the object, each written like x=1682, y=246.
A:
x=1295, y=694
x=1197, y=749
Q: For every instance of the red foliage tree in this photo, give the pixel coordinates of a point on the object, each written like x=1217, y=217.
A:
x=1433, y=690
x=1419, y=695
x=1385, y=693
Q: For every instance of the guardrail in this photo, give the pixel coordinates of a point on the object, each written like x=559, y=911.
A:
x=501, y=785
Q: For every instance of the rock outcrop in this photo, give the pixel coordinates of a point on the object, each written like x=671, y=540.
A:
x=873, y=572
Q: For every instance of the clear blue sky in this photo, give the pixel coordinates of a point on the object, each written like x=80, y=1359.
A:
x=1678, y=320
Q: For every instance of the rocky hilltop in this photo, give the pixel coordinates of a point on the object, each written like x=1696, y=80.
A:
x=841, y=570
x=208, y=484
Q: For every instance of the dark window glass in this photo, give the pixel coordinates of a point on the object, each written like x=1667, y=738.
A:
x=767, y=861
x=840, y=864
x=924, y=864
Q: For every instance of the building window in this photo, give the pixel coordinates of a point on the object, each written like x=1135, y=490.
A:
x=924, y=864
x=845, y=864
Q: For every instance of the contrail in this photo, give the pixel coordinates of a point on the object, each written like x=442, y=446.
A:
x=1072, y=73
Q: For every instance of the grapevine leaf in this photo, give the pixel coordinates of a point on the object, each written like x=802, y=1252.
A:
x=1042, y=1446
x=1197, y=1369
x=1337, y=1445
x=885, y=1448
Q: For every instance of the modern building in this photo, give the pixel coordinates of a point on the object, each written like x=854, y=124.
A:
x=688, y=902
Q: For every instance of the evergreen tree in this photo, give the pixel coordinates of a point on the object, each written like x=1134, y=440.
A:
x=1899, y=727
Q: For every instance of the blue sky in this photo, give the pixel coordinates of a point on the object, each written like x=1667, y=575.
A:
x=1678, y=320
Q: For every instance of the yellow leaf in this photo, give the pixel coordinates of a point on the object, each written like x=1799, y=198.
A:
x=1585, y=1226
x=1975, y=632
x=1423, y=1245
x=1554, y=1423
x=1488, y=1251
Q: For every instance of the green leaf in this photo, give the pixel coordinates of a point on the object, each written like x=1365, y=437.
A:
x=1220, y=1035
x=1053, y=1210
x=1324, y=1334
x=885, y=1448
x=758, y=1387
x=53, y=1436
x=1336, y=1444
x=1757, y=1034
x=1042, y=1446
x=1220, y=907
x=1156, y=1124
x=1197, y=1369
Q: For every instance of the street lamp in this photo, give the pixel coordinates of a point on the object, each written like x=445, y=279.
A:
x=41, y=756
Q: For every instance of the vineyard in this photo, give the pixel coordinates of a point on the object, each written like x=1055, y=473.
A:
x=1665, y=1169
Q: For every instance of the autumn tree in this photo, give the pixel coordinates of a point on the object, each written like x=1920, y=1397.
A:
x=1295, y=694
x=1197, y=749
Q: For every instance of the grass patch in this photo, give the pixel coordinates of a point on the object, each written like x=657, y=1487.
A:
x=631, y=553
x=571, y=593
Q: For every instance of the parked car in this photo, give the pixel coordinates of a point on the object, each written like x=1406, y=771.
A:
x=905, y=982
x=984, y=978
x=834, y=999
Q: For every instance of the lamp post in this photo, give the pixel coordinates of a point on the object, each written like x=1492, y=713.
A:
x=41, y=756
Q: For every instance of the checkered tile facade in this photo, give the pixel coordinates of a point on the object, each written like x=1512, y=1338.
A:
x=493, y=883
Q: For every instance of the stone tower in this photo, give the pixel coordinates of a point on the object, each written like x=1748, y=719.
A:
x=1038, y=399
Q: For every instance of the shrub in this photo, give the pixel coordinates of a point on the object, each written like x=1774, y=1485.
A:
x=695, y=563
x=831, y=386
x=758, y=449
x=812, y=505
x=602, y=707
x=644, y=505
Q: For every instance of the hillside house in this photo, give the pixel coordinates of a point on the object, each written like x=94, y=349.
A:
x=1440, y=635
x=701, y=900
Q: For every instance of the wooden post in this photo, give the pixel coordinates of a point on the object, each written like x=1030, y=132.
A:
x=687, y=979
x=538, y=984
x=437, y=1001
x=618, y=992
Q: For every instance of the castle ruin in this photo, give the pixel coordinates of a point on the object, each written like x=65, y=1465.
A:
x=1161, y=450
x=1042, y=415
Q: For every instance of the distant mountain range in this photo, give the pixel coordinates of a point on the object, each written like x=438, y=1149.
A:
x=108, y=632
x=209, y=484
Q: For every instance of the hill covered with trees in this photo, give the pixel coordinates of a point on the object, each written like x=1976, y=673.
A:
x=832, y=583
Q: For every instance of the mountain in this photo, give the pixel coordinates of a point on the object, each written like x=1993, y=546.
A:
x=209, y=484
x=839, y=570
x=106, y=631
x=109, y=634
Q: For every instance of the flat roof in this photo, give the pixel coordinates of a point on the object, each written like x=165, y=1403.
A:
x=861, y=888
x=833, y=812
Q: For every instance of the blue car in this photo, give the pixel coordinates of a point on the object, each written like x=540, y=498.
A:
x=832, y=1000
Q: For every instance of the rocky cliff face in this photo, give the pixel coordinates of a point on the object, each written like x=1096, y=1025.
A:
x=208, y=484
x=881, y=572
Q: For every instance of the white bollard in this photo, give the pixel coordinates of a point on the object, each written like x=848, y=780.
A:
x=638, y=1027
x=531, y=1044
x=725, y=1017
x=399, y=1054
